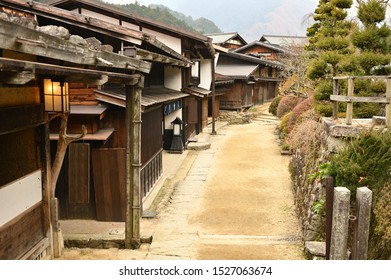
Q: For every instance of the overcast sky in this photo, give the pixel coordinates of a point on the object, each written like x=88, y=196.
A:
x=250, y=18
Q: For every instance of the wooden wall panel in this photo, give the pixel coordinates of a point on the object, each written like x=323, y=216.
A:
x=109, y=181
x=79, y=173
x=19, y=155
x=21, y=234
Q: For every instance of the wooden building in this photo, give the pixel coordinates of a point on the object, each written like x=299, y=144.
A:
x=196, y=78
x=230, y=41
x=255, y=80
x=263, y=50
x=83, y=189
x=29, y=60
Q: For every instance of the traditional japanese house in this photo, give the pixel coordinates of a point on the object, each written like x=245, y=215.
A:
x=33, y=66
x=263, y=50
x=230, y=41
x=83, y=188
x=255, y=80
x=195, y=79
x=285, y=41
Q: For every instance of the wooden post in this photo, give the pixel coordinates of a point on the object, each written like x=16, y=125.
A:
x=388, y=105
x=213, y=97
x=133, y=166
x=47, y=185
x=361, y=227
x=329, y=212
x=339, y=234
x=349, y=106
x=335, y=103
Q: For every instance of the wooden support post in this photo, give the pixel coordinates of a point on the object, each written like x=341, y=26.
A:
x=388, y=105
x=329, y=212
x=335, y=103
x=213, y=97
x=63, y=141
x=58, y=241
x=339, y=234
x=361, y=227
x=133, y=166
x=47, y=186
x=349, y=106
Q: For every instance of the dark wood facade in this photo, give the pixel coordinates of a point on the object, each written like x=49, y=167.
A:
x=26, y=193
x=254, y=81
x=24, y=220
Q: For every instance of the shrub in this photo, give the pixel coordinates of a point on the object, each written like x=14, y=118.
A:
x=324, y=108
x=273, y=106
x=297, y=111
x=367, y=110
x=380, y=240
x=324, y=90
x=306, y=137
x=366, y=161
x=286, y=104
x=284, y=125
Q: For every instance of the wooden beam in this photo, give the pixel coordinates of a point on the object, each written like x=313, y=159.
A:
x=360, y=99
x=19, y=78
x=21, y=39
x=64, y=16
x=21, y=117
x=71, y=74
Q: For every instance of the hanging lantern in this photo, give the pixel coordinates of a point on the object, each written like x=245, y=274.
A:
x=56, y=96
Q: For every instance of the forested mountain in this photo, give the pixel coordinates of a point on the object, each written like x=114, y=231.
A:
x=163, y=14
x=201, y=25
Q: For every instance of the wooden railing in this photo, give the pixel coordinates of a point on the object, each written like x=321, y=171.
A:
x=151, y=173
x=350, y=98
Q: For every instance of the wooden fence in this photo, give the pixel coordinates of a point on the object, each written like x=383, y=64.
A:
x=350, y=98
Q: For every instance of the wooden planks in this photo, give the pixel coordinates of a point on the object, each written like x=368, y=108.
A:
x=79, y=173
x=20, y=117
x=109, y=181
x=21, y=234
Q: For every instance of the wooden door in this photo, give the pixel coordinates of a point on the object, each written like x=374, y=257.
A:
x=109, y=181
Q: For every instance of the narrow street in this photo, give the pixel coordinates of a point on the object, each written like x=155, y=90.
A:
x=232, y=201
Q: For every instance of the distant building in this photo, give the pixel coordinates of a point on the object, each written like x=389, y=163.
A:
x=284, y=40
x=229, y=41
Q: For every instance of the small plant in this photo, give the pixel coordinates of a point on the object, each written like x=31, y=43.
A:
x=318, y=207
x=323, y=171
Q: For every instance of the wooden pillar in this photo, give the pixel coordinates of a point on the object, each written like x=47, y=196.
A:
x=335, y=103
x=361, y=227
x=349, y=106
x=329, y=212
x=388, y=105
x=47, y=186
x=213, y=97
x=339, y=234
x=133, y=166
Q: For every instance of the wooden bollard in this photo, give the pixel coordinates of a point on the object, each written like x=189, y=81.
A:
x=339, y=234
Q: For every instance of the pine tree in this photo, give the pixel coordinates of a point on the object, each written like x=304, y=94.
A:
x=373, y=38
x=329, y=44
x=329, y=38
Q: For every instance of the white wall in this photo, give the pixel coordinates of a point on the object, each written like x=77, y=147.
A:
x=170, y=118
x=99, y=16
x=206, y=73
x=172, y=42
x=173, y=78
x=20, y=195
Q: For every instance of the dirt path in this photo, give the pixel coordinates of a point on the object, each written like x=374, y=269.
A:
x=233, y=201
x=247, y=207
